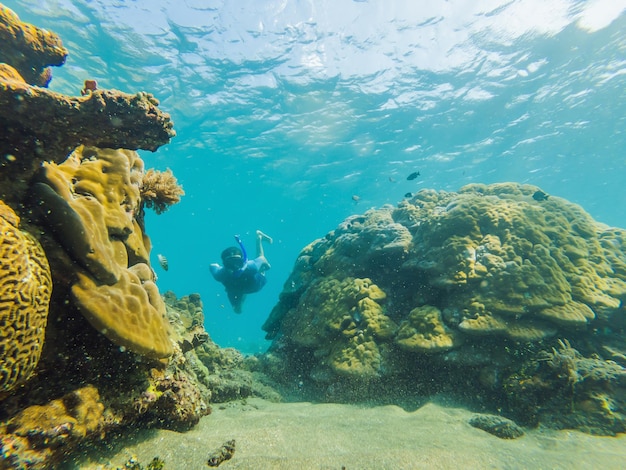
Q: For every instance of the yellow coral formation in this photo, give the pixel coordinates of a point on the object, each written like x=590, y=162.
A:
x=359, y=358
x=160, y=189
x=77, y=414
x=491, y=261
x=40, y=435
x=91, y=202
x=347, y=314
x=25, y=289
x=570, y=314
x=521, y=258
x=425, y=331
x=126, y=314
x=29, y=49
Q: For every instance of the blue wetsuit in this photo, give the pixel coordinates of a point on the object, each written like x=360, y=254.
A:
x=248, y=279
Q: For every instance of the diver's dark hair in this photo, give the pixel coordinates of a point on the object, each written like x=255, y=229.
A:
x=230, y=252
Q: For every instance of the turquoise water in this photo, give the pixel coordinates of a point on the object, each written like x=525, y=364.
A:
x=287, y=111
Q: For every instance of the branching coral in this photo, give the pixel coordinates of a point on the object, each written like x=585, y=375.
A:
x=159, y=190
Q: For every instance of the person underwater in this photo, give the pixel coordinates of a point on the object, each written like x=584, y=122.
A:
x=240, y=275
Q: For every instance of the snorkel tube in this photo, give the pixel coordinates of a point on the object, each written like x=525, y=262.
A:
x=243, y=249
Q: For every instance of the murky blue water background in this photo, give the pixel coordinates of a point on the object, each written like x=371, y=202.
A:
x=287, y=109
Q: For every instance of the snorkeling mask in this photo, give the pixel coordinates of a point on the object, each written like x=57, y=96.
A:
x=232, y=258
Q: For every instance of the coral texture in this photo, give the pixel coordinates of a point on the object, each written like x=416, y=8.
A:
x=476, y=280
x=28, y=48
x=347, y=316
x=25, y=289
x=32, y=118
x=34, y=437
x=90, y=202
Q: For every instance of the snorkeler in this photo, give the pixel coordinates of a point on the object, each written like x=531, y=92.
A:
x=240, y=275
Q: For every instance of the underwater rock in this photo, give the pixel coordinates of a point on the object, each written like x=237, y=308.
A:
x=563, y=388
x=225, y=452
x=499, y=426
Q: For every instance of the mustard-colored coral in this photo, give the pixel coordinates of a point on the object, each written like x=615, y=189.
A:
x=425, y=331
x=78, y=414
x=40, y=435
x=517, y=256
x=346, y=317
x=91, y=202
x=570, y=314
x=160, y=189
x=29, y=49
x=501, y=266
x=358, y=358
x=25, y=289
x=125, y=313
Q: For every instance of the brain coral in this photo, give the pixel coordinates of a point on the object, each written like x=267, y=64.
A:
x=462, y=272
x=90, y=202
x=25, y=288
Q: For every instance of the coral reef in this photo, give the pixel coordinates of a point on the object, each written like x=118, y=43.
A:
x=25, y=289
x=565, y=389
x=100, y=351
x=475, y=283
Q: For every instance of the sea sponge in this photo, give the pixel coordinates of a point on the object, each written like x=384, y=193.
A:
x=25, y=289
x=91, y=202
x=159, y=190
x=424, y=331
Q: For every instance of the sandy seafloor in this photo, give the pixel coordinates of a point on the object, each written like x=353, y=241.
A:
x=333, y=436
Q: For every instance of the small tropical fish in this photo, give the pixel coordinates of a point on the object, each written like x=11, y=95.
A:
x=540, y=196
x=356, y=198
x=392, y=179
x=163, y=262
x=413, y=175
x=408, y=195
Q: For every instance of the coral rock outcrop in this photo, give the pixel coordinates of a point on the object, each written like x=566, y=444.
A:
x=476, y=281
x=29, y=49
x=33, y=437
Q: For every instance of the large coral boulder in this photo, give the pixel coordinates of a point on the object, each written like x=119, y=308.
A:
x=475, y=282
